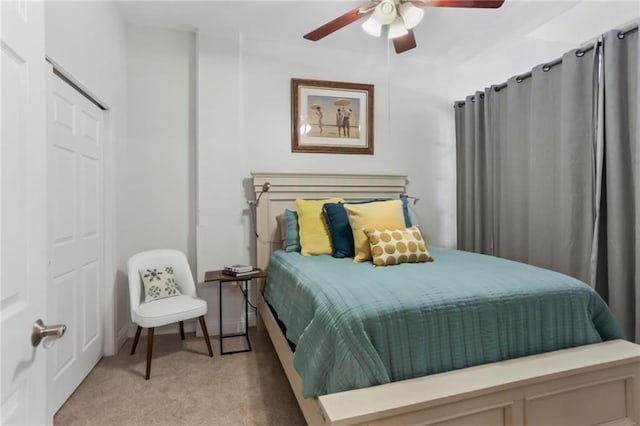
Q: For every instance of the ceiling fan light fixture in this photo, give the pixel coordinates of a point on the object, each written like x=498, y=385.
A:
x=397, y=29
x=411, y=15
x=372, y=27
x=385, y=12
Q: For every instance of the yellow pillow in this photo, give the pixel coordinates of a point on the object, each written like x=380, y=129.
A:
x=314, y=234
x=392, y=247
x=382, y=215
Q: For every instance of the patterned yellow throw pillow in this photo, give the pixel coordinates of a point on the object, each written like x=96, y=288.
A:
x=392, y=247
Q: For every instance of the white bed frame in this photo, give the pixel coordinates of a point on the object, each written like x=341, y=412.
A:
x=594, y=384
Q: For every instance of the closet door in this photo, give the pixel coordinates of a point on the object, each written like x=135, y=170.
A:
x=75, y=284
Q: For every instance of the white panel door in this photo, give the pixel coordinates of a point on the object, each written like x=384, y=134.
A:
x=22, y=212
x=75, y=235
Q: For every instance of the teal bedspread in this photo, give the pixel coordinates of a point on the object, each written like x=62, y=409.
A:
x=356, y=326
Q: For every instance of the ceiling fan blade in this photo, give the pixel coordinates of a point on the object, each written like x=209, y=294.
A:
x=478, y=4
x=339, y=22
x=405, y=42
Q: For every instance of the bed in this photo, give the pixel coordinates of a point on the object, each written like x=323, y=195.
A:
x=593, y=383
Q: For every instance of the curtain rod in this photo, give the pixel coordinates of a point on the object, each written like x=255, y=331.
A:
x=584, y=48
x=622, y=31
x=579, y=53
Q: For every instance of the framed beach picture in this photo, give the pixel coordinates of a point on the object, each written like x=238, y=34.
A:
x=331, y=117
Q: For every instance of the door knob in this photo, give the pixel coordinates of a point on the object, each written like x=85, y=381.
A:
x=40, y=331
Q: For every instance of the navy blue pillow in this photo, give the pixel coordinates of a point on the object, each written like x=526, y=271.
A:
x=340, y=232
x=405, y=211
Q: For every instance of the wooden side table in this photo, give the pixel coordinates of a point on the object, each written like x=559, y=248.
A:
x=224, y=278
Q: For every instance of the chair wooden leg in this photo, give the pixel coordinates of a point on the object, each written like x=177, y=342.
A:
x=149, y=351
x=135, y=340
x=203, y=325
x=181, y=330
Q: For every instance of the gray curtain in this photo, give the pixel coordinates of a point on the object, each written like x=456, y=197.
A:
x=549, y=171
x=525, y=152
x=474, y=169
x=618, y=274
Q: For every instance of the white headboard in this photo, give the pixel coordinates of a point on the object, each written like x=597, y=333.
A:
x=286, y=187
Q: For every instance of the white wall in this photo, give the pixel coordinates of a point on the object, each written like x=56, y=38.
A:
x=88, y=41
x=244, y=125
x=517, y=55
x=222, y=165
x=244, y=122
x=231, y=93
x=158, y=171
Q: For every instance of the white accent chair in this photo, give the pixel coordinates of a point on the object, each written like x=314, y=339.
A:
x=168, y=310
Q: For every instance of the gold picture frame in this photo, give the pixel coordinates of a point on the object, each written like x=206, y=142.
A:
x=331, y=117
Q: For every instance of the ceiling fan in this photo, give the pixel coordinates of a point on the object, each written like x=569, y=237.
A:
x=400, y=17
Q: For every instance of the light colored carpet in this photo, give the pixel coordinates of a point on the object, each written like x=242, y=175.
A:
x=186, y=387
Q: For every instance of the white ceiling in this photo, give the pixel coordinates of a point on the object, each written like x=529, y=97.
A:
x=444, y=35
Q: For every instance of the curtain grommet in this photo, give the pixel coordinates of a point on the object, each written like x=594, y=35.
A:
x=621, y=35
x=546, y=68
x=580, y=53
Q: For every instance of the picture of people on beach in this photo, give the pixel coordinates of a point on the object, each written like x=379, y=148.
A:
x=333, y=117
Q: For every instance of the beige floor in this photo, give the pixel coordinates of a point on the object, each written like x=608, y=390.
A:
x=187, y=387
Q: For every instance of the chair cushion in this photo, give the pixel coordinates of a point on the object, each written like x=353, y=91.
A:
x=169, y=310
x=159, y=283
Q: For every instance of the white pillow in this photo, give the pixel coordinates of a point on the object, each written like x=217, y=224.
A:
x=158, y=283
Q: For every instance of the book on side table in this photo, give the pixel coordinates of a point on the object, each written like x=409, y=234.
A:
x=238, y=268
x=242, y=274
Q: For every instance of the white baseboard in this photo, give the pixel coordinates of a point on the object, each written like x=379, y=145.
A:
x=189, y=327
x=228, y=326
x=122, y=336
